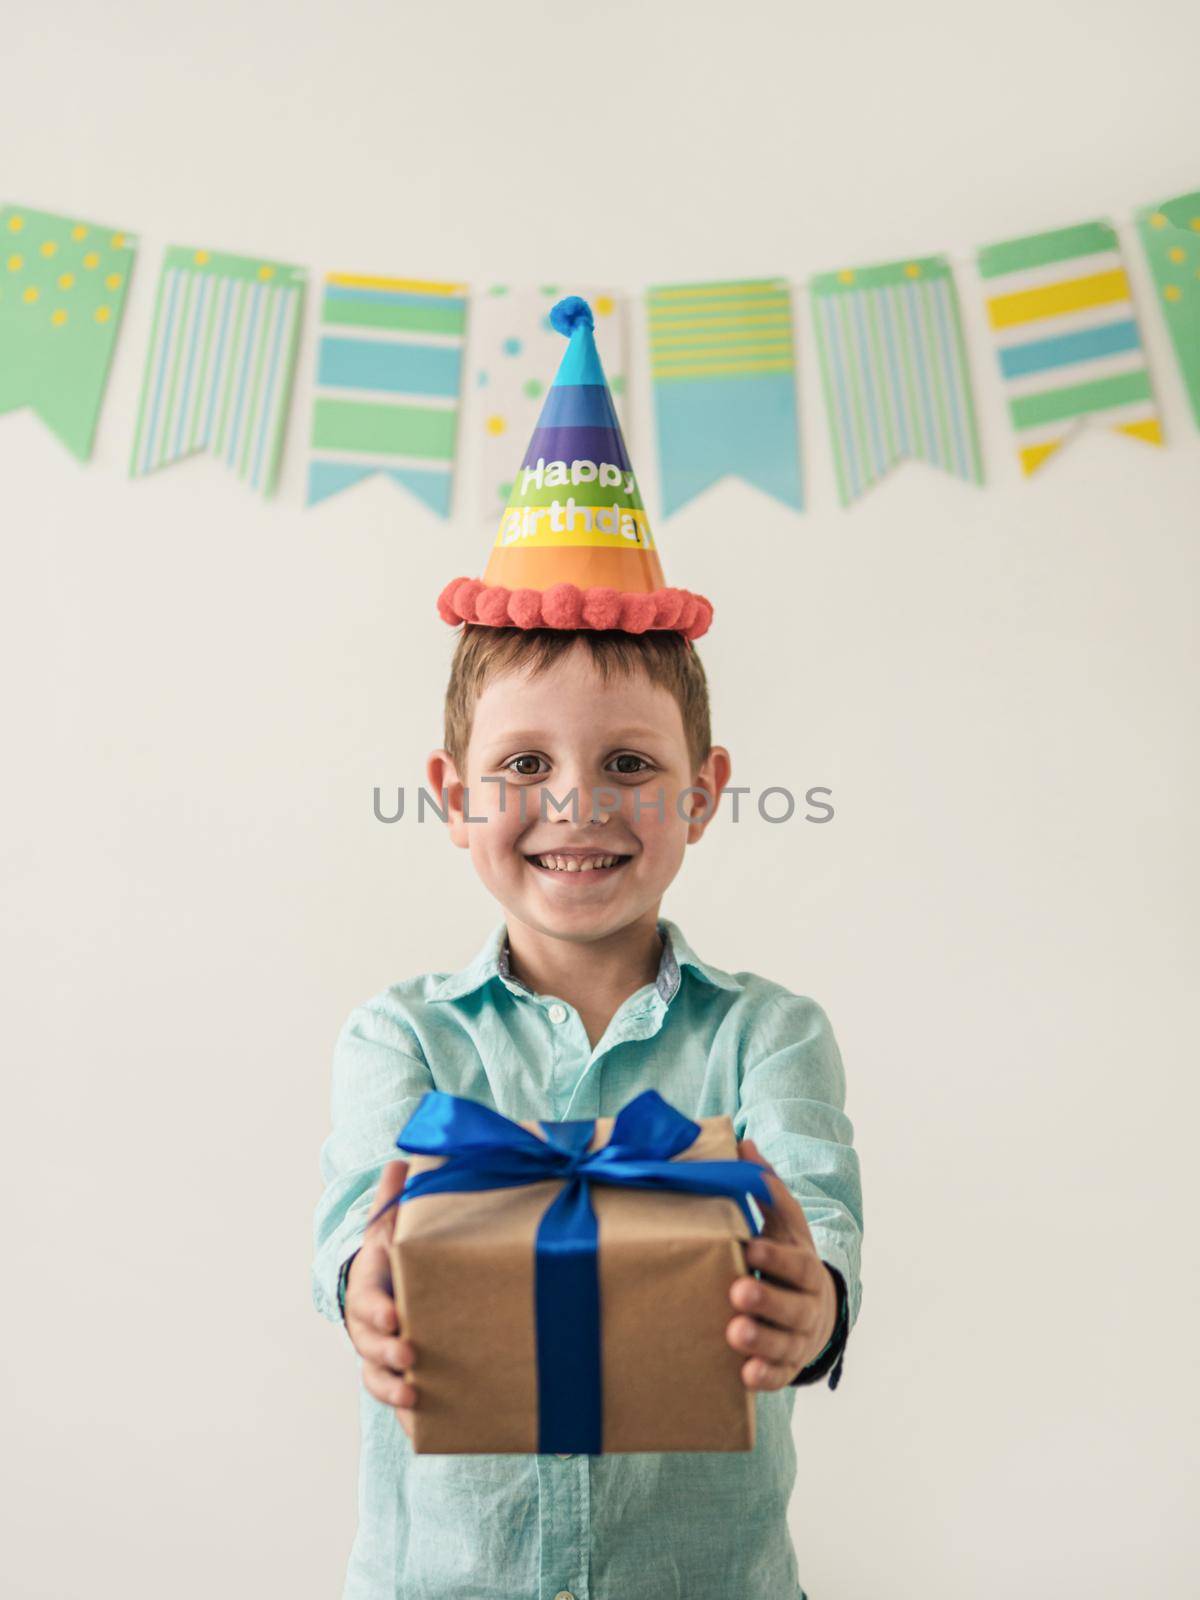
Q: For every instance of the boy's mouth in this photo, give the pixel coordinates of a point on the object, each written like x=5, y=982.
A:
x=597, y=864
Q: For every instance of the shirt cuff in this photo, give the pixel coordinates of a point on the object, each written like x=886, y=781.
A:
x=830, y=1358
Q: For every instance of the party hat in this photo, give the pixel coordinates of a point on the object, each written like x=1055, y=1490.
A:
x=574, y=548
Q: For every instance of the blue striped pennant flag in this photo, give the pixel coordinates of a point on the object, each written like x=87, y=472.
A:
x=894, y=371
x=389, y=373
x=221, y=362
x=1067, y=338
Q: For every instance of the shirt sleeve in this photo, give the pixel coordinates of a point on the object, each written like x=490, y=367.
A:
x=379, y=1075
x=792, y=1101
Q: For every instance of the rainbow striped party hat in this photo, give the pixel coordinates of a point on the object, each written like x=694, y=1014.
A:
x=574, y=548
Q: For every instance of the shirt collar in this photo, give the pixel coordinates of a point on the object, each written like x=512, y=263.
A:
x=492, y=962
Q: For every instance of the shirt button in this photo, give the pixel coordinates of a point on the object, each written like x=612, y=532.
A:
x=557, y=1013
x=564, y=1594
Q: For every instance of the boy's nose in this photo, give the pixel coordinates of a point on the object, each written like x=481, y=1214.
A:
x=592, y=801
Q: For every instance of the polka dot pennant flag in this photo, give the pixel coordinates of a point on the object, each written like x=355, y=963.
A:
x=62, y=291
x=516, y=353
x=389, y=374
x=1067, y=339
x=220, y=366
x=894, y=371
x=723, y=364
x=1171, y=238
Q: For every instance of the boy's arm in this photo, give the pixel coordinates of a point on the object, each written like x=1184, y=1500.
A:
x=379, y=1075
x=791, y=1104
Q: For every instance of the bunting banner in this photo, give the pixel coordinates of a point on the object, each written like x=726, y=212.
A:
x=220, y=367
x=722, y=361
x=1067, y=338
x=62, y=291
x=515, y=350
x=894, y=371
x=389, y=374
x=219, y=370
x=1170, y=235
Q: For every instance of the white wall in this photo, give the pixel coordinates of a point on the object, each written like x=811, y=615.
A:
x=1000, y=686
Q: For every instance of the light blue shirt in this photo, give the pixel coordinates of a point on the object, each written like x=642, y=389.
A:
x=671, y=1526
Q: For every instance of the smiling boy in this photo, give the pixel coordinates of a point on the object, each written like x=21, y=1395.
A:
x=577, y=769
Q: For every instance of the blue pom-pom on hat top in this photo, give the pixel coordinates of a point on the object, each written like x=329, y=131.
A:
x=567, y=314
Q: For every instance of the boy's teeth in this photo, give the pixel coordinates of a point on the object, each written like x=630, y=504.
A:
x=573, y=863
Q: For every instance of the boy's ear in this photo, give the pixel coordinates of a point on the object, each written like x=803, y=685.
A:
x=712, y=777
x=447, y=790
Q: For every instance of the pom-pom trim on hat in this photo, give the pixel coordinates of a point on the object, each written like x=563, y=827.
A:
x=564, y=605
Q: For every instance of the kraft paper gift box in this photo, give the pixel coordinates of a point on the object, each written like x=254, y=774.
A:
x=469, y=1293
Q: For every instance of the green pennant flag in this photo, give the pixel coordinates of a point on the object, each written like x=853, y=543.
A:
x=62, y=291
x=1171, y=239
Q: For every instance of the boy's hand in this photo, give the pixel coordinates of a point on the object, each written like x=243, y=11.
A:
x=371, y=1319
x=790, y=1312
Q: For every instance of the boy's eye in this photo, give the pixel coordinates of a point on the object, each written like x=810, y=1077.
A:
x=632, y=771
x=524, y=772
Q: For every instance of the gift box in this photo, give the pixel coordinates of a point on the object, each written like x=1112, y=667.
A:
x=566, y=1285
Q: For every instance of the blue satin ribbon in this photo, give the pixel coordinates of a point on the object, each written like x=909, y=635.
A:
x=485, y=1150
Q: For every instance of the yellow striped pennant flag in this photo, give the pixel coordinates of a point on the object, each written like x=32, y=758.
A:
x=723, y=365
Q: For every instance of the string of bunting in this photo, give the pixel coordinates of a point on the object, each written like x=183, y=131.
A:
x=220, y=367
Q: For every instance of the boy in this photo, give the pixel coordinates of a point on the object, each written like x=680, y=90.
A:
x=577, y=767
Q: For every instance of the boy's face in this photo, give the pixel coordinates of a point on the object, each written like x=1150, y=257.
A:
x=614, y=751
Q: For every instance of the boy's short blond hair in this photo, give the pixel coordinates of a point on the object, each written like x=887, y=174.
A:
x=665, y=656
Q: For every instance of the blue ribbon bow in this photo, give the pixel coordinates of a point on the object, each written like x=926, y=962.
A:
x=485, y=1150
